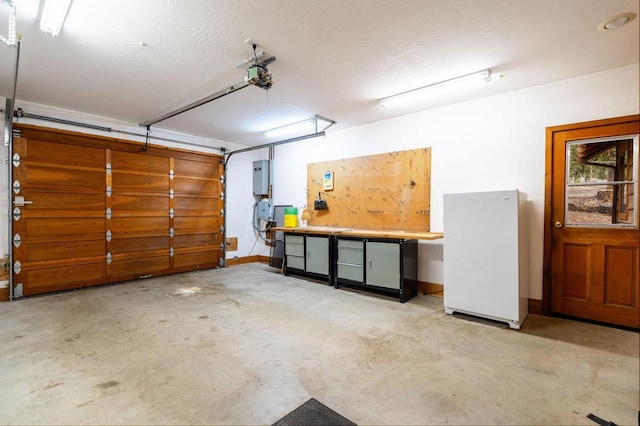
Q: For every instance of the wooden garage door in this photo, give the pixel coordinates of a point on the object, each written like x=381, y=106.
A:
x=103, y=211
x=140, y=222
x=198, y=219
x=59, y=234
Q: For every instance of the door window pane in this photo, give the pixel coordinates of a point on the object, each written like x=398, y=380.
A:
x=601, y=183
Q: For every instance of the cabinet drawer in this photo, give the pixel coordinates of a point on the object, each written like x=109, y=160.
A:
x=351, y=272
x=352, y=244
x=351, y=252
x=294, y=239
x=294, y=245
x=295, y=262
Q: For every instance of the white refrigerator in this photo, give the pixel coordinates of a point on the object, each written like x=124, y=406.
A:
x=486, y=255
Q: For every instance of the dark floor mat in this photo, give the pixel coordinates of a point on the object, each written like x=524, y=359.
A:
x=313, y=412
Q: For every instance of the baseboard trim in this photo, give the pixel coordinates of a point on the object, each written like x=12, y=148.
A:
x=247, y=259
x=432, y=289
x=535, y=306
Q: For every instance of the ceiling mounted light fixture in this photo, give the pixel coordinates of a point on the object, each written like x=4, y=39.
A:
x=423, y=92
x=301, y=127
x=52, y=15
x=617, y=21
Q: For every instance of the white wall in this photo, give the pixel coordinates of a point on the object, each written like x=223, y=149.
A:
x=493, y=143
x=240, y=200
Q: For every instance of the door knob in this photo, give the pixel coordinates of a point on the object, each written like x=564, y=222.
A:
x=558, y=224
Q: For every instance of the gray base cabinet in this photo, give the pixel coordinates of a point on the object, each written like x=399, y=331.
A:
x=350, y=259
x=380, y=265
x=308, y=255
x=383, y=265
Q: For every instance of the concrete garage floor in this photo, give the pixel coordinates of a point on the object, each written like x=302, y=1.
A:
x=246, y=345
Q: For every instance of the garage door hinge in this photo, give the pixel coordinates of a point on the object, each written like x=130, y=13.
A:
x=17, y=214
x=16, y=187
x=172, y=232
x=109, y=236
x=222, y=229
x=17, y=267
x=222, y=195
x=108, y=191
x=171, y=174
x=108, y=213
x=108, y=168
x=171, y=252
x=221, y=212
x=109, y=258
x=16, y=159
x=171, y=193
x=171, y=213
x=222, y=179
x=17, y=240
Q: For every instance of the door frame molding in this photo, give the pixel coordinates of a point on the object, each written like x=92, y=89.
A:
x=548, y=179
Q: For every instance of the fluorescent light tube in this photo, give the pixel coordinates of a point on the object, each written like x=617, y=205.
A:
x=52, y=15
x=308, y=125
x=429, y=90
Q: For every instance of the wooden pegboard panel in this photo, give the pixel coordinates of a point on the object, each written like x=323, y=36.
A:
x=389, y=191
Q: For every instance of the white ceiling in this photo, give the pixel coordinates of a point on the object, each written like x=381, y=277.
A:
x=335, y=58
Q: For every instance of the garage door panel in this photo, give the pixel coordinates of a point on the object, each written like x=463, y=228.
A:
x=38, y=281
x=54, y=199
x=121, y=204
x=65, y=226
x=196, y=186
x=196, y=168
x=139, y=226
x=140, y=183
x=139, y=267
x=140, y=162
x=190, y=205
x=197, y=260
x=63, y=154
x=37, y=252
x=196, y=224
x=196, y=240
x=60, y=176
x=137, y=245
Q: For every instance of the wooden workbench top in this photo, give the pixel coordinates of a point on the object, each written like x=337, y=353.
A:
x=350, y=232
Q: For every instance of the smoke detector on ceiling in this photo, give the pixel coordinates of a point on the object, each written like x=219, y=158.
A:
x=617, y=21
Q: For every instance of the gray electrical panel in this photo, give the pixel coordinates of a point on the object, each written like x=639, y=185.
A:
x=261, y=177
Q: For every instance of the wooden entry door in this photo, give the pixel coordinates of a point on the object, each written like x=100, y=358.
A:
x=591, y=235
